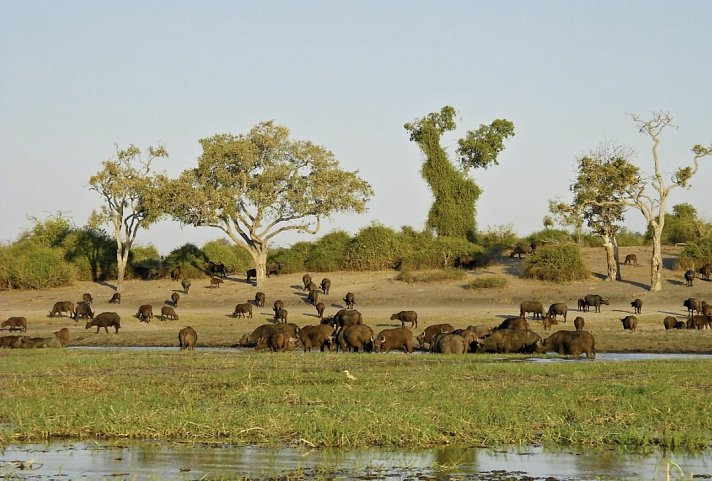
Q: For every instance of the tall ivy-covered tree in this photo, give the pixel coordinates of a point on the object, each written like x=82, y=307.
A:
x=132, y=197
x=258, y=185
x=453, y=211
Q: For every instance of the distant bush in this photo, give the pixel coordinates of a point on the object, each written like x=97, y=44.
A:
x=376, y=247
x=328, y=254
x=293, y=259
x=28, y=265
x=489, y=282
x=190, y=258
x=92, y=252
x=696, y=254
x=627, y=238
x=550, y=236
x=556, y=263
x=497, y=237
x=411, y=277
x=235, y=258
x=425, y=252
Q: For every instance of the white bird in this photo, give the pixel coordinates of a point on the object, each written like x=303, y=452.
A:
x=349, y=375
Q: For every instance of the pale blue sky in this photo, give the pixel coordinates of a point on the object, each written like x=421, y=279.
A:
x=77, y=77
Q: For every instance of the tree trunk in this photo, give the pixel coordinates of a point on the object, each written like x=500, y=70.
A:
x=259, y=255
x=612, y=271
x=656, y=262
x=616, y=258
x=120, y=269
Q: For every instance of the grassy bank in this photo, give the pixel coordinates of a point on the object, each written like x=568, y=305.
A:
x=396, y=399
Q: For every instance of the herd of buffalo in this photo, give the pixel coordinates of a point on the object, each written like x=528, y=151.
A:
x=345, y=330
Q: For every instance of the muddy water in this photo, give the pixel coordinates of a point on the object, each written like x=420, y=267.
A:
x=158, y=461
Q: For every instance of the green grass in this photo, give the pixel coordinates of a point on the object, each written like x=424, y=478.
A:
x=440, y=275
x=397, y=400
x=489, y=282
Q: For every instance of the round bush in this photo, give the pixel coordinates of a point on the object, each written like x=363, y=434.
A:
x=556, y=263
x=328, y=254
x=375, y=247
x=696, y=254
x=27, y=265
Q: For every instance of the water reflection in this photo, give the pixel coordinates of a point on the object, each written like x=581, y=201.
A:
x=161, y=461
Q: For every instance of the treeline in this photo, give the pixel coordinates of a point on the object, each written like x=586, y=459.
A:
x=54, y=253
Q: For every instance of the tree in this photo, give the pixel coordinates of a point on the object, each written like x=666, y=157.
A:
x=652, y=206
x=606, y=178
x=453, y=211
x=132, y=195
x=567, y=215
x=258, y=185
x=682, y=226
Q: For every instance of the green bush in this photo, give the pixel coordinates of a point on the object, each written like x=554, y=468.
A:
x=28, y=265
x=440, y=253
x=498, y=238
x=696, y=254
x=376, y=247
x=550, y=236
x=329, y=253
x=92, y=252
x=190, y=258
x=626, y=238
x=440, y=275
x=235, y=258
x=556, y=263
x=293, y=258
x=489, y=282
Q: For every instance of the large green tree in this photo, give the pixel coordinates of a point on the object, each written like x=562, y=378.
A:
x=258, y=185
x=132, y=197
x=453, y=211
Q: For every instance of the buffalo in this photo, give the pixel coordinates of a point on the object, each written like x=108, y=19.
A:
x=167, y=312
x=83, y=311
x=320, y=308
x=350, y=300
x=174, y=299
x=582, y=306
x=579, y=323
x=595, y=301
x=637, y=305
x=116, y=298
x=187, y=338
x=280, y=315
x=276, y=341
x=313, y=297
x=86, y=297
x=217, y=268
x=669, y=322
x=105, y=320
x=185, y=284
x=250, y=274
x=243, y=310
x=518, y=323
x=265, y=330
x=260, y=299
x=145, y=313
x=629, y=323
x=631, y=259
x=325, y=285
x=508, y=341
x=698, y=322
x=558, y=309
x=15, y=324
x=450, y=343
x=345, y=318
x=705, y=271
x=535, y=307
x=176, y=273
x=60, y=307
x=693, y=305
x=273, y=268
x=215, y=282
x=521, y=250
x=569, y=343
x=355, y=338
x=392, y=339
x=548, y=322
x=406, y=316
x=321, y=336
x=689, y=277
x=431, y=331
x=306, y=280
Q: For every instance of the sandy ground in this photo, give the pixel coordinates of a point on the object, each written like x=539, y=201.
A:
x=378, y=295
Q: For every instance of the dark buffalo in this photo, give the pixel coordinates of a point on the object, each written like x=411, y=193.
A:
x=558, y=309
x=680, y=325
x=312, y=287
x=243, y=310
x=535, y=307
x=276, y=341
x=174, y=299
x=450, y=343
x=187, y=338
x=265, y=330
x=115, y=299
x=698, y=322
x=215, y=282
x=60, y=307
x=320, y=307
x=345, y=318
x=521, y=250
x=217, y=268
x=325, y=285
x=260, y=299
x=406, y=316
x=83, y=311
x=250, y=274
x=145, y=313
x=313, y=297
x=86, y=297
x=669, y=322
x=15, y=324
x=176, y=273
x=280, y=315
x=392, y=339
x=431, y=331
x=706, y=271
x=478, y=331
x=62, y=335
x=629, y=323
x=637, y=305
x=321, y=336
x=277, y=305
x=595, y=301
x=518, y=323
x=582, y=306
x=689, y=277
x=185, y=284
x=306, y=280
x=105, y=320
x=273, y=268
x=350, y=300
x=631, y=260
x=355, y=338
x=508, y=341
x=579, y=323
x=548, y=322
x=693, y=305
x=569, y=343
x=167, y=312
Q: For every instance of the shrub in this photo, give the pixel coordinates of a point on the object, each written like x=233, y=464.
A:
x=28, y=265
x=411, y=277
x=425, y=252
x=235, y=258
x=376, y=247
x=550, y=236
x=92, y=252
x=489, y=282
x=497, y=238
x=556, y=263
x=696, y=254
x=626, y=238
x=293, y=258
x=329, y=253
x=191, y=259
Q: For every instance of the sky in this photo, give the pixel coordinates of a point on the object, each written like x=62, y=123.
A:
x=79, y=78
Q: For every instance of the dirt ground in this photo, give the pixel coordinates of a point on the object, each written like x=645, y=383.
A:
x=378, y=295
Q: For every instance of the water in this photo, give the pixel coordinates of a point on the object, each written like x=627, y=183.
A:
x=162, y=461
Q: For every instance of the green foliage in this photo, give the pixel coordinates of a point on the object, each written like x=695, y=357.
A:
x=145, y=254
x=294, y=258
x=479, y=149
x=489, y=282
x=556, y=263
x=425, y=252
x=410, y=277
x=329, y=253
x=626, y=238
x=375, y=247
x=696, y=254
x=28, y=265
x=235, y=258
x=49, y=233
x=190, y=258
x=550, y=236
x=498, y=237
x=681, y=226
x=92, y=252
